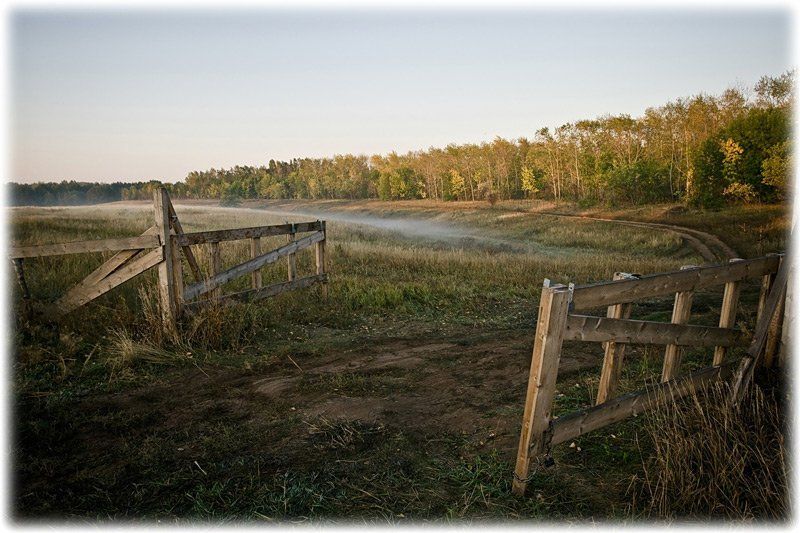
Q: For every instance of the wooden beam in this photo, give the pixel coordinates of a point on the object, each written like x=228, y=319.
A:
x=166, y=273
x=550, y=324
x=264, y=292
x=773, y=334
x=246, y=233
x=103, y=245
x=255, y=251
x=578, y=423
x=291, y=259
x=215, y=260
x=681, y=311
x=215, y=281
x=191, y=260
x=602, y=329
x=319, y=255
x=614, y=351
x=629, y=290
x=727, y=315
x=87, y=293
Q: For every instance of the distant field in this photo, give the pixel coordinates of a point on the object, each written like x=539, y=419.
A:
x=399, y=397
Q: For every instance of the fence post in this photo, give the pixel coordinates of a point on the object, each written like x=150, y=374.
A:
x=167, y=289
x=727, y=315
x=552, y=318
x=255, y=251
x=216, y=266
x=774, y=331
x=766, y=286
x=680, y=315
x=291, y=259
x=320, y=256
x=614, y=352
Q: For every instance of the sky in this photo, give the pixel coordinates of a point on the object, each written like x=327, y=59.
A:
x=136, y=95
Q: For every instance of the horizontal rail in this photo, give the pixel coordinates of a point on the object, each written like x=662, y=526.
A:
x=237, y=234
x=252, y=295
x=103, y=245
x=580, y=422
x=83, y=294
x=193, y=291
x=601, y=329
x=629, y=290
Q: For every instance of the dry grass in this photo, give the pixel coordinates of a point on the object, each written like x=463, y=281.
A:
x=712, y=460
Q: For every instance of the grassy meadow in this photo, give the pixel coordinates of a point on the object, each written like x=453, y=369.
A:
x=397, y=398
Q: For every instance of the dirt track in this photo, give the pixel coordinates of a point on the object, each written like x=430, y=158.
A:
x=709, y=246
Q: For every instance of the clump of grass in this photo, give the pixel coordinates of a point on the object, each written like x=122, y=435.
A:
x=714, y=460
x=124, y=352
x=341, y=434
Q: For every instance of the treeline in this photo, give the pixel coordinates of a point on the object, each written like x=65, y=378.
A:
x=703, y=150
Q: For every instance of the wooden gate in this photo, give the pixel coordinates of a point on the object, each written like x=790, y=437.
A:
x=557, y=322
x=163, y=245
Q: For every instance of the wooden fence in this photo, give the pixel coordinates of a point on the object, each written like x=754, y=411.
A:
x=162, y=246
x=558, y=321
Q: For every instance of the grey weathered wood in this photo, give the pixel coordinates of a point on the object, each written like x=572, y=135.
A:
x=603, y=329
x=727, y=315
x=578, y=423
x=88, y=293
x=673, y=352
x=264, y=292
x=114, y=262
x=103, y=245
x=191, y=260
x=217, y=280
x=166, y=274
x=614, y=352
x=624, y=291
x=291, y=259
x=755, y=351
x=215, y=260
x=246, y=233
x=255, y=251
x=319, y=255
x=19, y=269
x=773, y=334
x=550, y=324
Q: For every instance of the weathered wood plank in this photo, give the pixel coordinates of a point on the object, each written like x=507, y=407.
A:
x=255, y=251
x=673, y=352
x=215, y=281
x=603, y=329
x=291, y=259
x=614, y=352
x=114, y=262
x=246, y=233
x=624, y=291
x=546, y=354
x=78, y=247
x=215, y=260
x=319, y=255
x=575, y=424
x=252, y=295
x=727, y=315
x=191, y=260
x=166, y=274
x=130, y=270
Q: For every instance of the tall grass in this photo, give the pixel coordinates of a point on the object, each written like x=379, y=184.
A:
x=714, y=460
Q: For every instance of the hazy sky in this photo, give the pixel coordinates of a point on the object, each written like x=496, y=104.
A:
x=105, y=96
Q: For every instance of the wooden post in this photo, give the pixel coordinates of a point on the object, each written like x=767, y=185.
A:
x=614, y=352
x=20, y=271
x=766, y=286
x=291, y=259
x=167, y=288
x=255, y=251
x=785, y=350
x=680, y=315
x=774, y=331
x=727, y=316
x=551, y=320
x=216, y=267
x=320, y=256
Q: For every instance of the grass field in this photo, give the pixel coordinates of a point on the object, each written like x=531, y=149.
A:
x=397, y=398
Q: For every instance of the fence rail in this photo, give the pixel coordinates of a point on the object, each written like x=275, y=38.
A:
x=164, y=244
x=556, y=323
